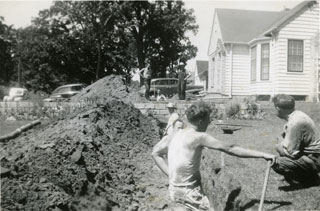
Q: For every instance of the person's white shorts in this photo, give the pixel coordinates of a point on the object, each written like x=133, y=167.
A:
x=191, y=197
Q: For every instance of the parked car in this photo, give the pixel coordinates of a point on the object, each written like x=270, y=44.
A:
x=169, y=87
x=16, y=94
x=65, y=92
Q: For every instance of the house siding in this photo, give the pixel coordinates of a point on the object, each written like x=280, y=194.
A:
x=211, y=74
x=197, y=79
x=226, y=78
x=304, y=26
x=218, y=69
x=212, y=52
x=215, y=35
x=262, y=87
x=240, y=70
x=201, y=80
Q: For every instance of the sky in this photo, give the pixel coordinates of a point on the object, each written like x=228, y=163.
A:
x=20, y=13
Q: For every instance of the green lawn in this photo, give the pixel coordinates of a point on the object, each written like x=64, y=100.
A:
x=251, y=172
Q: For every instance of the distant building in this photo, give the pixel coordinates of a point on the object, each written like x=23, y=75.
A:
x=265, y=53
x=191, y=79
x=201, y=74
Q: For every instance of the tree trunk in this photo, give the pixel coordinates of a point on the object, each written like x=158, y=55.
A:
x=99, y=61
x=140, y=52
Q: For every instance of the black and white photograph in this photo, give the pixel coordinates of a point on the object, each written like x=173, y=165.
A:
x=155, y=105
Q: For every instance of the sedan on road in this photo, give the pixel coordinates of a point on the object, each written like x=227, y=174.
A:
x=169, y=87
x=65, y=92
x=16, y=94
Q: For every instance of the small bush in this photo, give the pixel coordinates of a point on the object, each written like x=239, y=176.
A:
x=252, y=106
x=232, y=109
x=215, y=114
x=253, y=110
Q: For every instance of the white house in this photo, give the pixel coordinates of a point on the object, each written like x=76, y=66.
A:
x=201, y=74
x=265, y=53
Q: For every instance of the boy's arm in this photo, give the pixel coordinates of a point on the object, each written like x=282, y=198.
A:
x=141, y=70
x=158, y=153
x=211, y=142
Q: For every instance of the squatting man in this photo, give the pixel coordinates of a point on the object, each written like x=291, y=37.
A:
x=299, y=151
x=183, y=150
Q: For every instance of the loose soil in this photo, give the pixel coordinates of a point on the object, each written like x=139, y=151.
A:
x=97, y=158
x=107, y=88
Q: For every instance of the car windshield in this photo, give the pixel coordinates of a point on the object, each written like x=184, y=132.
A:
x=76, y=88
x=172, y=82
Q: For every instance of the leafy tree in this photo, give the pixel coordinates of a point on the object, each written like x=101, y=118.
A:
x=6, y=43
x=64, y=46
x=159, y=30
x=82, y=41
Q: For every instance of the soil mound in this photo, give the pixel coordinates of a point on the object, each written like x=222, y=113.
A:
x=109, y=87
x=93, y=159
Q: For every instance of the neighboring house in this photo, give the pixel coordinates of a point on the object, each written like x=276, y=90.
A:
x=265, y=53
x=201, y=74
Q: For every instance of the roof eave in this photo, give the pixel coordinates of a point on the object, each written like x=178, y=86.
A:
x=258, y=39
x=234, y=42
x=270, y=32
x=280, y=23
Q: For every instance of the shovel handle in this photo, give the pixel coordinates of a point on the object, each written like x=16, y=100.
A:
x=264, y=189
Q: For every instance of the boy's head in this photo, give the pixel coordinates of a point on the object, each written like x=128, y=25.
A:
x=178, y=124
x=198, y=114
x=284, y=105
x=171, y=107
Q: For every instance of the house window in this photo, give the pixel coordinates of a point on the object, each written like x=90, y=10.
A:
x=253, y=63
x=295, y=55
x=265, y=58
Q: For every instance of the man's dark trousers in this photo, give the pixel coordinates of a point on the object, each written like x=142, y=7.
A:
x=182, y=89
x=147, y=82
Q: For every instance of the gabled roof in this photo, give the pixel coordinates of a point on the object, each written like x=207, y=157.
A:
x=275, y=26
x=202, y=67
x=241, y=26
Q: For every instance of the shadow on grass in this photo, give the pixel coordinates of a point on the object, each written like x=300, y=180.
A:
x=289, y=188
x=256, y=201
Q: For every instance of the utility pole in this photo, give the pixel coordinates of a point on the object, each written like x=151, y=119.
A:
x=19, y=72
x=19, y=61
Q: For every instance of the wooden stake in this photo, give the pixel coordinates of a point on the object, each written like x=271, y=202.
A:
x=264, y=189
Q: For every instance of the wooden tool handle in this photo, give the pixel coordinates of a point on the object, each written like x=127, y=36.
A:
x=264, y=189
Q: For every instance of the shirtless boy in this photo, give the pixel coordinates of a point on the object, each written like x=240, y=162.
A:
x=184, y=148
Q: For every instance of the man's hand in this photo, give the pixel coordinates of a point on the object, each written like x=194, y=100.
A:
x=270, y=157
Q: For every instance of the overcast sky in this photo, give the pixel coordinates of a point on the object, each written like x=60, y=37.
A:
x=20, y=13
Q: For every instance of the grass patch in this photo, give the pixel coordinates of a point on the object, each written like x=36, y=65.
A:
x=250, y=172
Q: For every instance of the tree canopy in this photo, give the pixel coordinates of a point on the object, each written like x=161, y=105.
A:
x=6, y=45
x=82, y=41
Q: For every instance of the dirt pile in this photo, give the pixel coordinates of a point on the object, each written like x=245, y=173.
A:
x=109, y=87
x=93, y=159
